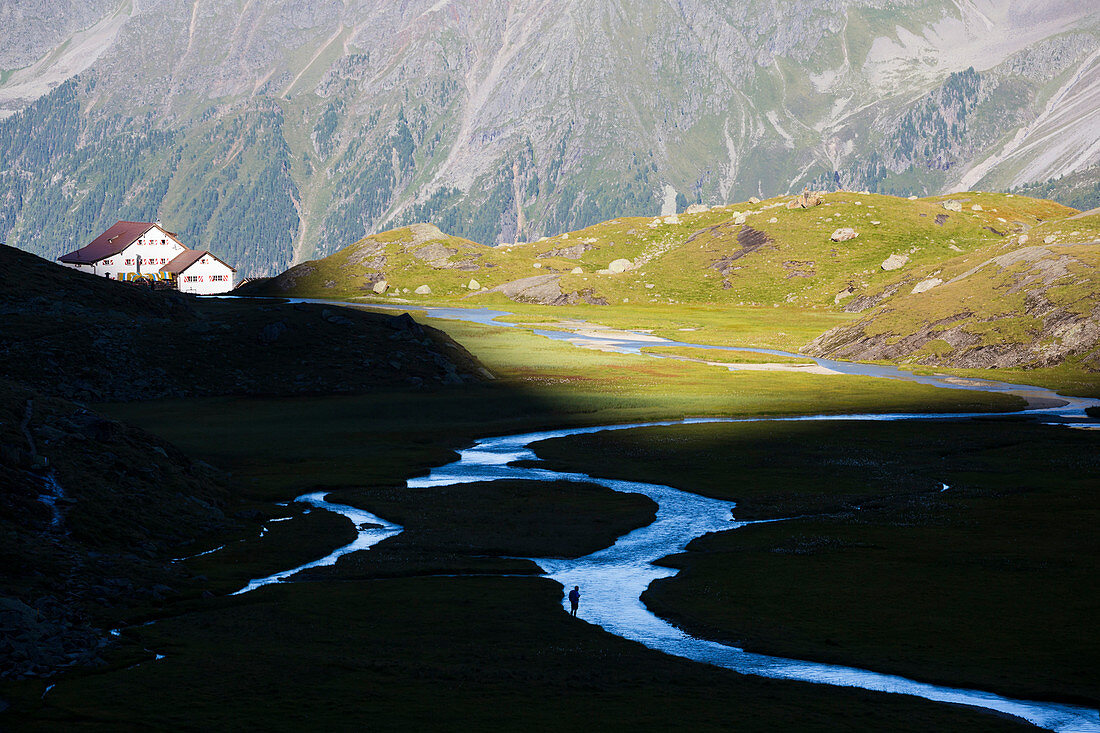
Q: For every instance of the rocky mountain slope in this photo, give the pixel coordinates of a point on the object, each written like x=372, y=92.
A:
x=1035, y=305
x=972, y=280
x=274, y=132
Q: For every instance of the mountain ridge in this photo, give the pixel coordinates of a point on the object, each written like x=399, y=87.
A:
x=508, y=122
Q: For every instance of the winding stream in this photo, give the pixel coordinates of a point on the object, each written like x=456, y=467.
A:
x=613, y=579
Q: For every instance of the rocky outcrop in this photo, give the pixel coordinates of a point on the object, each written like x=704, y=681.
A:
x=894, y=262
x=545, y=290
x=573, y=252
x=968, y=326
x=925, y=285
x=806, y=200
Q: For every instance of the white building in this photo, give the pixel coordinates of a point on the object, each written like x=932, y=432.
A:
x=200, y=272
x=132, y=250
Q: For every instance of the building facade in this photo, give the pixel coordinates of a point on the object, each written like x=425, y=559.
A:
x=133, y=250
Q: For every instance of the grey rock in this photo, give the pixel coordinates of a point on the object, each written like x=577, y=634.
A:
x=895, y=262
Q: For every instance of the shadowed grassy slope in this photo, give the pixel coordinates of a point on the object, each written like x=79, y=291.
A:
x=988, y=584
x=439, y=654
x=278, y=446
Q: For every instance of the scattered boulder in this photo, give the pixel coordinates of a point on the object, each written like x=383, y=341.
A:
x=474, y=285
x=976, y=207
x=926, y=285
x=672, y=219
x=806, y=200
x=619, y=265
x=1023, y=239
x=843, y=295
x=1050, y=239
x=271, y=332
x=844, y=234
x=894, y=262
x=380, y=287
x=739, y=219
x=423, y=290
x=952, y=205
x=697, y=209
x=754, y=200
x=576, y=271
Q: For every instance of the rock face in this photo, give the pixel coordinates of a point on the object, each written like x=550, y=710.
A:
x=545, y=290
x=925, y=285
x=895, y=262
x=844, y=234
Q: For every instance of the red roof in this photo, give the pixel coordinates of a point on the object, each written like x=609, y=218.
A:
x=111, y=242
x=187, y=258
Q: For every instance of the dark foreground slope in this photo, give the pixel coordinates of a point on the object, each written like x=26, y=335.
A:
x=93, y=510
x=77, y=336
x=90, y=512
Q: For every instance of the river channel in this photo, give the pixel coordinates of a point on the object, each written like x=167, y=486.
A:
x=613, y=579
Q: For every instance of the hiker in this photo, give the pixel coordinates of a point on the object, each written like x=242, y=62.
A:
x=574, y=599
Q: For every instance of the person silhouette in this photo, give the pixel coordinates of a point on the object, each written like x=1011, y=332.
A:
x=574, y=599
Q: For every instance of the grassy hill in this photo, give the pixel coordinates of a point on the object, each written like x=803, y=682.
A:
x=1034, y=303
x=970, y=280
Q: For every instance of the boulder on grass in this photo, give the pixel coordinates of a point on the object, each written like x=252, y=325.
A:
x=423, y=290
x=925, y=285
x=894, y=262
x=844, y=234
